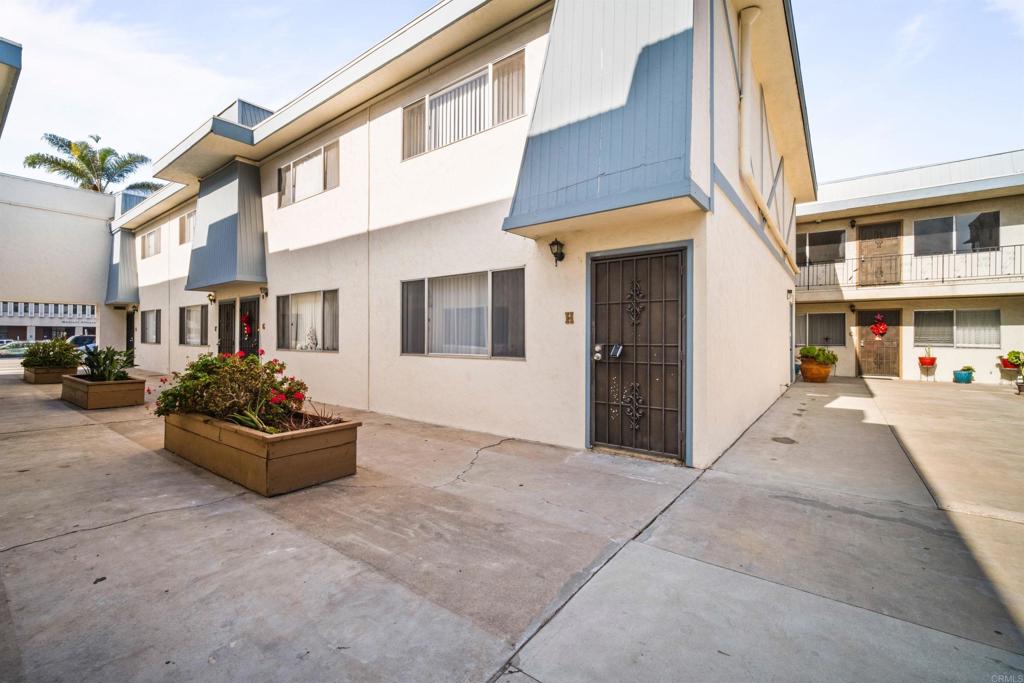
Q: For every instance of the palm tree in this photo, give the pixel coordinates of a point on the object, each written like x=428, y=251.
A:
x=93, y=169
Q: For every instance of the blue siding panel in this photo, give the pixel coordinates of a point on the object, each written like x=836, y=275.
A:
x=123, y=273
x=612, y=122
x=228, y=245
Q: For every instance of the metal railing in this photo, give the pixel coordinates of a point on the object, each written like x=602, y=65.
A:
x=874, y=271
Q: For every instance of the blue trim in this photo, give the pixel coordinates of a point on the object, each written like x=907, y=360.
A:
x=10, y=54
x=676, y=190
x=687, y=248
x=757, y=226
x=230, y=129
x=794, y=50
x=711, y=103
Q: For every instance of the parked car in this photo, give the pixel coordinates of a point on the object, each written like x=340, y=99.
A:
x=15, y=349
x=83, y=342
x=5, y=342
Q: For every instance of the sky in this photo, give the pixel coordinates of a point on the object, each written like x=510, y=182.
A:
x=888, y=84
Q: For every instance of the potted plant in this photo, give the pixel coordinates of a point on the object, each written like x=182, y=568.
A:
x=46, y=362
x=1017, y=358
x=964, y=375
x=247, y=421
x=106, y=383
x=927, y=360
x=1006, y=363
x=816, y=363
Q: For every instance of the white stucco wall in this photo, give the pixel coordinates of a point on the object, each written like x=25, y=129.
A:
x=55, y=246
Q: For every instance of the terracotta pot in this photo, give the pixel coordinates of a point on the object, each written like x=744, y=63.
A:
x=926, y=361
x=813, y=371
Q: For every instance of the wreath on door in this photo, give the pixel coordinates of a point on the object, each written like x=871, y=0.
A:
x=880, y=327
x=247, y=324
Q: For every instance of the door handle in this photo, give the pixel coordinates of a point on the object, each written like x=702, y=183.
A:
x=597, y=356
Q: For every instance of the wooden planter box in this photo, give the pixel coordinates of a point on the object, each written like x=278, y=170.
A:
x=91, y=395
x=47, y=375
x=269, y=464
x=813, y=371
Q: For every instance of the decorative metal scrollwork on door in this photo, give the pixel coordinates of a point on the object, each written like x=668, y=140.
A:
x=633, y=404
x=635, y=305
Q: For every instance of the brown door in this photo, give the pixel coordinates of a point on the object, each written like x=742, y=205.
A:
x=878, y=355
x=638, y=352
x=879, y=254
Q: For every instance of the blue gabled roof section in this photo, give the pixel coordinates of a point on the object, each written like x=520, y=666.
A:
x=10, y=70
x=612, y=122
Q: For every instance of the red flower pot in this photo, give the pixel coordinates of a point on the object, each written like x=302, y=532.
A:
x=926, y=361
x=1007, y=365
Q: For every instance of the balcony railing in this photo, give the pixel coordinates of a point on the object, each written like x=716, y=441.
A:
x=874, y=271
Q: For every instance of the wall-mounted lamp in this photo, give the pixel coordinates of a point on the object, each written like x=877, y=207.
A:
x=853, y=223
x=211, y=297
x=134, y=308
x=264, y=292
x=558, y=251
x=853, y=309
x=789, y=295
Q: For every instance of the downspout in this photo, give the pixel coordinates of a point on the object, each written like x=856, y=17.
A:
x=748, y=86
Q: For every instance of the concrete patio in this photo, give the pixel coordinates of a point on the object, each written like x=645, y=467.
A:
x=813, y=549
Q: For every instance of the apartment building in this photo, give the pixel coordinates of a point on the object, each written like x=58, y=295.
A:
x=553, y=221
x=34, y=321
x=935, y=252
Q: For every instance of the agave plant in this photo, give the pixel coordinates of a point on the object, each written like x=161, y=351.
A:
x=108, y=364
x=92, y=168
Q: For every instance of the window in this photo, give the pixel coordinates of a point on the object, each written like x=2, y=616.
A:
x=151, y=243
x=508, y=313
x=977, y=328
x=414, y=316
x=509, y=88
x=964, y=233
x=151, y=327
x=933, y=328
x=801, y=249
x=821, y=329
x=977, y=231
x=461, y=109
x=308, y=321
x=826, y=247
x=186, y=227
x=312, y=174
x=960, y=328
x=193, y=325
x=476, y=314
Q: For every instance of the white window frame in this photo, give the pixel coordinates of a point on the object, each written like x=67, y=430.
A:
x=322, y=150
x=488, y=106
x=144, y=252
x=956, y=324
x=190, y=227
x=489, y=314
x=320, y=306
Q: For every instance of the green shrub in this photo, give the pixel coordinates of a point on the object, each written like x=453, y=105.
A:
x=55, y=353
x=819, y=353
x=967, y=368
x=109, y=364
x=1017, y=358
x=238, y=388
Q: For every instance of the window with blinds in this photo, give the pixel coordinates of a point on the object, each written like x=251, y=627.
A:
x=826, y=329
x=193, y=325
x=476, y=314
x=800, y=333
x=151, y=243
x=308, y=321
x=151, y=326
x=316, y=172
x=977, y=328
x=484, y=99
x=933, y=328
x=509, y=88
x=186, y=227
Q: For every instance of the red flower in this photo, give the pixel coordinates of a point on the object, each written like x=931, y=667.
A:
x=148, y=390
x=262, y=352
x=299, y=396
x=240, y=354
x=163, y=380
x=277, y=398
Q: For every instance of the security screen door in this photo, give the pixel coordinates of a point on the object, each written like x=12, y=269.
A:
x=637, y=347
x=226, y=327
x=878, y=355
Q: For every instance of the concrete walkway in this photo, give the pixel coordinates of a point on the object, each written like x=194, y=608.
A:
x=813, y=550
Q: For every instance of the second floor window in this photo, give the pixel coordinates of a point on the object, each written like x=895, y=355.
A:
x=309, y=175
x=820, y=247
x=186, y=227
x=961, y=234
x=486, y=98
x=151, y=243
